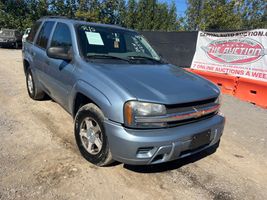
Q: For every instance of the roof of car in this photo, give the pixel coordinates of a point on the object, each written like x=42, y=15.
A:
x=78, y=21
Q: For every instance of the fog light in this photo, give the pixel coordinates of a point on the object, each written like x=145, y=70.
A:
x=145, y=152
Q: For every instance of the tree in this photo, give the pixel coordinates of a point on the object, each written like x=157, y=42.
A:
x=37, y=9
x=3, y=15
x=254, y=14
x=149, y=15
x=112, y=11
x=122, y=13
x=225, y=14
x=140, y=14
x=219, y=15
x=14, y=14
x=88, y=10
x=63, y=7
x=135, y=14
x=172, y=18
x=161, y=21
x=193, y=14
x=152, y=15
x=130, y=16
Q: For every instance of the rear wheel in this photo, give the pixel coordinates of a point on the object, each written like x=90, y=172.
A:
x=91, y=136
x=33, y=91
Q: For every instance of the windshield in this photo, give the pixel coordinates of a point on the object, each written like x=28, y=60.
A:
x=103, y=42
x=6, y=32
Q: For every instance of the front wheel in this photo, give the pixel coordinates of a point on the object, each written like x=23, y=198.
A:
x=91, y=136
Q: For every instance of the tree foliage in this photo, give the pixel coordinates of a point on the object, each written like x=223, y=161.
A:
x=135, y=14
x=141, y=14
x=225, y=14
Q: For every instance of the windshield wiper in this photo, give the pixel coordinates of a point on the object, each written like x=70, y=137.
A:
x=103, y=56
x=144, y=57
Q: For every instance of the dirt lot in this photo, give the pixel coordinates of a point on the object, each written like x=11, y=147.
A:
x=39, y=158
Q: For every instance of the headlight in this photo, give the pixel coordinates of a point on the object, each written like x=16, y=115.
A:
x=218, y=100
x=134, y=109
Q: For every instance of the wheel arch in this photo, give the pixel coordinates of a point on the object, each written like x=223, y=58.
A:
x=26, y=65
x=84, y=93
x=81, y=100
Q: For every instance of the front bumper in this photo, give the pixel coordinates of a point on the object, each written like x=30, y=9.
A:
x=7, y=44
x=143, y=147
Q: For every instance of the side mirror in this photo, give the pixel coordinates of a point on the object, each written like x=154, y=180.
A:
x=59, y=53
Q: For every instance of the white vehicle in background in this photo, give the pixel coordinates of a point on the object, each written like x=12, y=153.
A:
x=25, y=35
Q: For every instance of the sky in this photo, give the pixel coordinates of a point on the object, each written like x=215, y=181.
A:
x=180, y=5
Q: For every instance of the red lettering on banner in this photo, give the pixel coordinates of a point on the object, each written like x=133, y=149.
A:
x=259, y=75
x=230, y=71
x=241, y=54
x=233, y=71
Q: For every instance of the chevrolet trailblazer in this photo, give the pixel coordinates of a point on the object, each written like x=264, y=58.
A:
x=127, y=103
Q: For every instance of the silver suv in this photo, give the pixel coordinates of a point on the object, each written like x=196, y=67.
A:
x=127, y=103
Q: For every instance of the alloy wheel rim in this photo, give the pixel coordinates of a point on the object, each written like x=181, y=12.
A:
x=91, y=136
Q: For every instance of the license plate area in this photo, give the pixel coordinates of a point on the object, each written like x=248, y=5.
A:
x=200, y=140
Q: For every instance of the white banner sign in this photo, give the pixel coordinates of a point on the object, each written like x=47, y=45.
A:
x=242, y=54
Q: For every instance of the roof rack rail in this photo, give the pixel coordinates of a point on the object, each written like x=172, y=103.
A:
x=55, y=16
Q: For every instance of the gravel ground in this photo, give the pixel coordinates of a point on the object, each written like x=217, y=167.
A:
x=39, y=158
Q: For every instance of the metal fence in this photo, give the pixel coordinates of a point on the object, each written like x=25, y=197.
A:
x=177, y=48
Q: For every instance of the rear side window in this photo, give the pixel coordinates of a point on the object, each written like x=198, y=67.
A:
x=61, y=37
x=44, y=34
x=33, y=31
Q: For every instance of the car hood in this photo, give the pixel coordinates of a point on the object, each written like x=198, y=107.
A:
x=166, y=83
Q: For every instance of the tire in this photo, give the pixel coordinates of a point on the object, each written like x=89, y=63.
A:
x=33, y=91
x=91, y=136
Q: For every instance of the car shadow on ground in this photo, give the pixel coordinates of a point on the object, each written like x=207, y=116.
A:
x=47, y=98
x=173, y=164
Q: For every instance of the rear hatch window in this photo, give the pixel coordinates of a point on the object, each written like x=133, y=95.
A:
x=6, y=33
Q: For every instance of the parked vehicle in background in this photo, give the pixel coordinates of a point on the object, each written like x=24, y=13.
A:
x=127, y=103
x=10, y=38
x=25, y=35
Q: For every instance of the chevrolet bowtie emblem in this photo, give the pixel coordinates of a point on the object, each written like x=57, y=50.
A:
x=198, y=113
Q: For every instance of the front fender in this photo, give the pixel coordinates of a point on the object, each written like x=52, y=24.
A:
x=92, y=93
